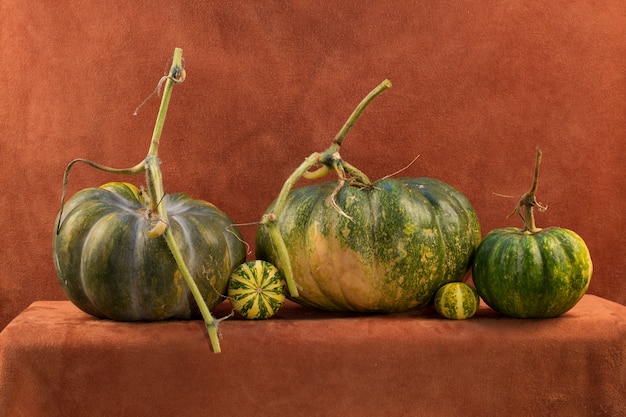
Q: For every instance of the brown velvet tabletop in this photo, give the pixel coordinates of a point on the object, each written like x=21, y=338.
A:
x=58, y=361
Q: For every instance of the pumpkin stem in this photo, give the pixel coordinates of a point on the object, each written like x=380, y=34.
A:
x=329, y=159
x=153, y=172
x=177, y=75
x=332, y=153
x=528, y=201
x=210, y=321
x=154, y=182
x=359, y=110
x=156, y=195
x=137, y=169
x=270, y=220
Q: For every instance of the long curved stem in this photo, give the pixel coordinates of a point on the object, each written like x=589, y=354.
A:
x=291, y=181
x=330, y=160
x=270, y=221
x=283, y=254
x=210, y=322
x=359, y=110
x=137, y=169
x=153, y=172
x=155, y=189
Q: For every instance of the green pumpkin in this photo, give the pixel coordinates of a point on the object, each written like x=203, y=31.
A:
x=109, y=267
x=532, y=274
x=383, y=247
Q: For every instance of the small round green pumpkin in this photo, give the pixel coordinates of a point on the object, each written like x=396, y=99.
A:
x=536, y=274
x=109, y=266
x=456, y=301
x=256, y=290
x=531, y=272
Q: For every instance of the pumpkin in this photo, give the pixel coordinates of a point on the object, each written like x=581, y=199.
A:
x=456, y=301
x=532, y=272
x=109, y=267
x=256, y=290
x=353, y=245
x=119, y=254
x=403, y=239
x=527, y=274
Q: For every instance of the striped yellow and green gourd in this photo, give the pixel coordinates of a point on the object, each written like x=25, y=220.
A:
x=456, y=301
x=256, y=290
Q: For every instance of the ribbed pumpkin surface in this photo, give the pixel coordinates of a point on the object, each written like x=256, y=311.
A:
x=532, y=275
x=404, y=239
x=109, y=267
x=456, y=301
x=256, y=290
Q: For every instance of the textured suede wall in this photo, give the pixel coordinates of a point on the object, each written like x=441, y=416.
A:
x=477, y=86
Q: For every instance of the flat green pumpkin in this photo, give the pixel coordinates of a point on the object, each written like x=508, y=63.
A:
x=109, y=266
x=119, y=255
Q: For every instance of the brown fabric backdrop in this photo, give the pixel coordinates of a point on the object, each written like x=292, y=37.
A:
x=477, y=86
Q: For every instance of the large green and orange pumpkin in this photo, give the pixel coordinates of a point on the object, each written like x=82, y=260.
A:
x=532, y=272
x=355, y=245
x=396, y=242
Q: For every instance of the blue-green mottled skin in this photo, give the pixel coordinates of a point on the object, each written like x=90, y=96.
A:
x=532, y=275
x=109, y=267
x=404, y=239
